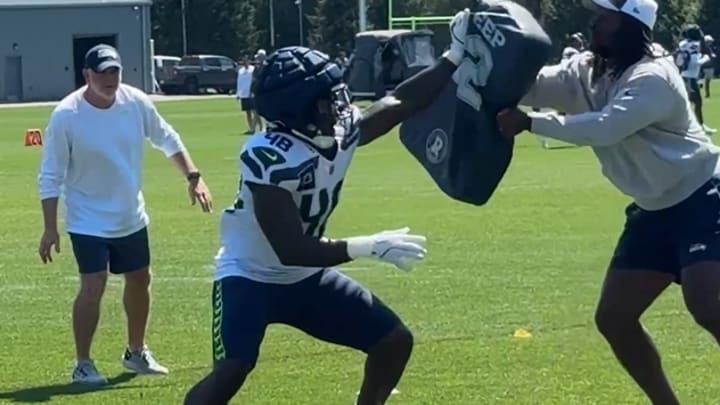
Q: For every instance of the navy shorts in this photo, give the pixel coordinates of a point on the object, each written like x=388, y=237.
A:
x=693, y=89
x=329, y=306
x=119, y=255
x=674, y=238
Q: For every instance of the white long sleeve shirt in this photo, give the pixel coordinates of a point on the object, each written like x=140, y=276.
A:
x=641, y=126
x=93, y=158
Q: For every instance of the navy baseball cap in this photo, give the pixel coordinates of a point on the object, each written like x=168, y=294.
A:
x=102, y=57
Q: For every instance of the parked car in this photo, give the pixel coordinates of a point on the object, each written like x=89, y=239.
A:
x=201, y=72
x=163, y=67
x=383, y=59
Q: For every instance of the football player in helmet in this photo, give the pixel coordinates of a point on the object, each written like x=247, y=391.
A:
x=275, y=264
x=690, y=57
x=709, y=66
x=576, y=45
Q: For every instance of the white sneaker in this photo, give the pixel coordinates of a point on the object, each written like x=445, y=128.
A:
x=709, y=130
x=86, y=373
x=394, y=391
x=142, y=362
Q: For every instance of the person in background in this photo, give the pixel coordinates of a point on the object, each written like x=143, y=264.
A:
x=709, y=66
x=260, y=57
x=244, y=95
x=576, y=44
x=690, y=57
x=342, y=61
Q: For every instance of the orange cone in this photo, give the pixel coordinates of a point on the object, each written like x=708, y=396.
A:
x=33, y=137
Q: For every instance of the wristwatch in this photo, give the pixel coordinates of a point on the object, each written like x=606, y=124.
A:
x=193, y=176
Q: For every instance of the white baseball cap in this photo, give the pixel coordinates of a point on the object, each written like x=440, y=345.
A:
x=644, y=11
x=709, y=38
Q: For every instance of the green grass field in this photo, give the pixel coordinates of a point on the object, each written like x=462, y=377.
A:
x=532, y=258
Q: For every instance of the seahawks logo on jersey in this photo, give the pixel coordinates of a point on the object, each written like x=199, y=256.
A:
x=266, y=157
x=304, y=174
x=274, y=163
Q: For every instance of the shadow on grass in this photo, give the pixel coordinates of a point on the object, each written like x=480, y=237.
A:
x=47, y=392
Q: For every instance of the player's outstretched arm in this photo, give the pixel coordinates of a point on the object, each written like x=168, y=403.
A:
x=280, y=221
x=417, y=92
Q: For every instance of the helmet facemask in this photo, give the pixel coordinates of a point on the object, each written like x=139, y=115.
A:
x=332, y=110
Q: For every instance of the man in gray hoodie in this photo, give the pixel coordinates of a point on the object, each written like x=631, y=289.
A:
x=632, y=108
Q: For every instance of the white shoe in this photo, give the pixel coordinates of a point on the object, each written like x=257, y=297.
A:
x=709, y=130
x=86, y=373
x=142, y=362
x=395, y=391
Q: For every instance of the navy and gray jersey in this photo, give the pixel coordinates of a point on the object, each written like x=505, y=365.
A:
x=312, y=176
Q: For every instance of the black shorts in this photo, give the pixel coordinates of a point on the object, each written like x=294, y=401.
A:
x=693, y=89
x=329, y=306
x=119, y=255
x=247, y=104
x=674, y=238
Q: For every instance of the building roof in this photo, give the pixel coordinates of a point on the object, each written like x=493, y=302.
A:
x=69, y=3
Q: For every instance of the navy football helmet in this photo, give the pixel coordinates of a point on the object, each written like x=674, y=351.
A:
x=289, y=85
x=693, y=32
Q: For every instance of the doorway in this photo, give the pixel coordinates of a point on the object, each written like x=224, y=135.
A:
x=82, y=44
x=13, y=78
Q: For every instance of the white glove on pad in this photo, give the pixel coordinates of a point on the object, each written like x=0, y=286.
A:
x=458, y=32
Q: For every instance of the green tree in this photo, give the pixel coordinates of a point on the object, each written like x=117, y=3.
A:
x=246, y=30
x=709, y=18
x=286, y=22
x=334, y=25
x=672, y=16
x=166, y=27
x=225, y=27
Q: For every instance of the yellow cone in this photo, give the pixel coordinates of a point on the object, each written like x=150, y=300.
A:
x=522, y=334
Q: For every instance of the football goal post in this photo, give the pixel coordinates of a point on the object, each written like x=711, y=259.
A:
x=414, y=22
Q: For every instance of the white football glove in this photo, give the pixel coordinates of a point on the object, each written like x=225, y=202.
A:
x=397, y=247
x=458, y=32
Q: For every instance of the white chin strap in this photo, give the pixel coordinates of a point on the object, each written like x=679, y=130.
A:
x=323, y=141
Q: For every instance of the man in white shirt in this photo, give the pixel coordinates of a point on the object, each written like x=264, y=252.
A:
x=244, y=94
x=258, y=62
x=93, y=157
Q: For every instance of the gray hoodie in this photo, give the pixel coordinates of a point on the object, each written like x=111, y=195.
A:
x=641, y=126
